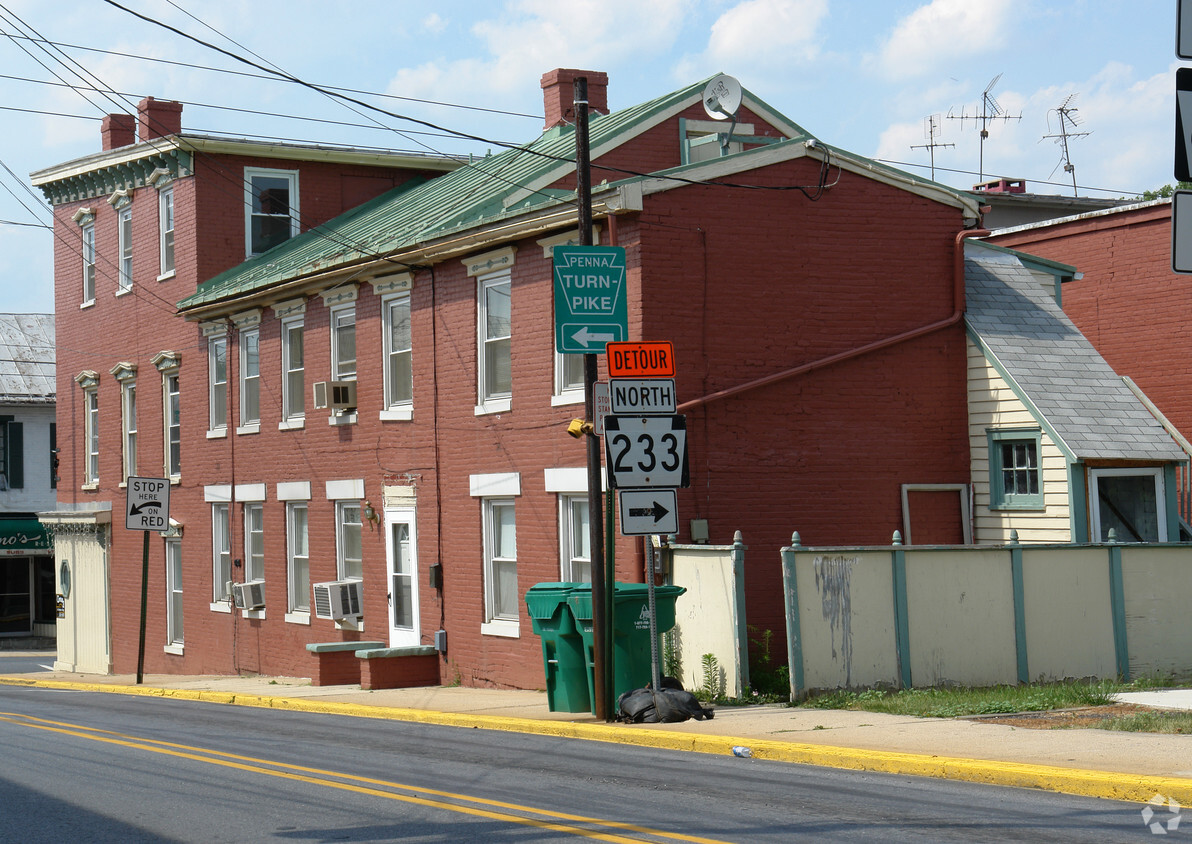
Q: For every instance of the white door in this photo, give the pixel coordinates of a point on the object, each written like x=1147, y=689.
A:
x=402, y=557
x=1131, y=501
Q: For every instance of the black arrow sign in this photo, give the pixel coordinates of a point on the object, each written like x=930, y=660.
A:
x=657, y=511
x=137, y=508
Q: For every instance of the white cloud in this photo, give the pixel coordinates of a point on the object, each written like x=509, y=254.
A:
x=945, y=30
x=433, y=23
x=756, y=38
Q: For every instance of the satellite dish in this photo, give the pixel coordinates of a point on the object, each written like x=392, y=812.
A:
x=722, y=97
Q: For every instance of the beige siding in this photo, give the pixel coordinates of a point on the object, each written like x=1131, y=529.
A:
x=1066, y=602
x=1158, y=593
x=84, y=632
x=993, y=404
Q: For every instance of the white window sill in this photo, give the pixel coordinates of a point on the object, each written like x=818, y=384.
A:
x=567, y=397
x=217, y=433
x=342, y=419
x=356, y=624
x=397, y=414
x=166, y=276
x=221, y=606
x=258, y=614
x=176, y=650
x=292, y=424
x=91, y=486
x=123, y=484
x=508, y=629
x=123, y=291
x=494, y=406
x=175, y=480
x=90, y=303
x=250, y=428
x=298, y=617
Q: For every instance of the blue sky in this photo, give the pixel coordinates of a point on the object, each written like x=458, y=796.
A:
x=862, y=75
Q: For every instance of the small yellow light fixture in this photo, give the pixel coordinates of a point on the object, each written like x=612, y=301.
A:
x=578, y=427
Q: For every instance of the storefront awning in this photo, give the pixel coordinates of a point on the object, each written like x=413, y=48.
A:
x=19, y=537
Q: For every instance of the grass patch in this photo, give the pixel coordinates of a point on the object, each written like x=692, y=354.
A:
x=1151, y=722
x=956, y=702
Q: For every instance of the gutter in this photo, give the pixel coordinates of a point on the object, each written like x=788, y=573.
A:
x=956, y=316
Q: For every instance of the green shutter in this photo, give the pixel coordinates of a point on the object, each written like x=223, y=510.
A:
x=16, y=455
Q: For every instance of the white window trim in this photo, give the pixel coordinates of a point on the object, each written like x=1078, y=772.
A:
x=88, y=249
x=173, y=546
x=395, y=410
x=340, y=560
x=224, y=603
x=213, y=343
x=333, y=315
x=1155, y=472
x=165, y=198
x=291, y=421
x=90, y=435
x=124, y=251
x=249, y=426
x=499, y=403
x=246, y=510
x=166, y=426
x=295, y=615
x=289, y=175
x=562, y=395
x=506, y=627
x=128, y=428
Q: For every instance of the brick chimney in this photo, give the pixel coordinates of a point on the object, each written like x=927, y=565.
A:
x=157, y=118
x=118, y=130
x=558, y=95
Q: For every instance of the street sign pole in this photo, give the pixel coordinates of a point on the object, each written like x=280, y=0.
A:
x=147, y=509
x=144, y=605
x=601, y=667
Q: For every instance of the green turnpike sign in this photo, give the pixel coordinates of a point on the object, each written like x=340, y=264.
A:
x=590, y=307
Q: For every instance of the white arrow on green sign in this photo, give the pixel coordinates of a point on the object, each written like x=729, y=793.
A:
x=590, y=306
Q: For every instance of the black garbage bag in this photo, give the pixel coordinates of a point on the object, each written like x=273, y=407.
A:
x=668, y=705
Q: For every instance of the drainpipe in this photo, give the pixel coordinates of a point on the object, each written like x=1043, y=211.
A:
x=957, y=315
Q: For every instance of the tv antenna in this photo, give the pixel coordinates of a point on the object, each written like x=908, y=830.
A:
x=1066, y=112
x=931, y=130
x=991, y=110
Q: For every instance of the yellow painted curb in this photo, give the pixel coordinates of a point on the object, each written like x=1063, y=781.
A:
x=1138, y=788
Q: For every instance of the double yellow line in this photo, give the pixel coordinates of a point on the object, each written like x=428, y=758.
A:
x=560, y=822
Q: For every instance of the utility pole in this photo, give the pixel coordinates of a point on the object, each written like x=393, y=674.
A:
x=600, y=650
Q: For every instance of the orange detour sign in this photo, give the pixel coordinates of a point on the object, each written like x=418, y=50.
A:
x=655, y=359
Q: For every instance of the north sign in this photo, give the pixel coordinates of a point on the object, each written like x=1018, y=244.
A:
x=648, y=511
x=646, y=451
x=590, y=301
x=642, y=395
x=148, y=504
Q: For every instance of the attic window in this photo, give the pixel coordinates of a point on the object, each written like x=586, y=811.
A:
x=1015, y=470
x=702, y=140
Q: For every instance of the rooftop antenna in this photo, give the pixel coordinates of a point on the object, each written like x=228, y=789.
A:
x=991, y=110
x=1068, y=120
x=722, y=100
x=931, y=130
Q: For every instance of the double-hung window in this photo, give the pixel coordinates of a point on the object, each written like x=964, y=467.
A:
x=165, y=225
x=500, y=560
x=271, y=208
x=124, y=231
x=297, y=557
x=399, y=372
x=174, y=638
x=88, y=380
x=494, y=342
x=254, y=541
x=217, y=393
x=250, y=378
x=348, y=541
x=293, y=384
x=168, y=363
x=575, y=539
x=1015, y=469
x=128, y=395
x=89, y=263
x=343, y=343
x=221, y=551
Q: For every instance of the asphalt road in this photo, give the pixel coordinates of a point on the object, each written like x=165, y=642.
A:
x=25, y=663
x=99, y=767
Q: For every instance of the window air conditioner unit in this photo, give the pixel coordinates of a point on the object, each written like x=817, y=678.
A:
x=336, y=395
x=250, y=595
x=339, y=599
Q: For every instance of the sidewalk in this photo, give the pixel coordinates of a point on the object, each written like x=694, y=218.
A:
x=1100, y=763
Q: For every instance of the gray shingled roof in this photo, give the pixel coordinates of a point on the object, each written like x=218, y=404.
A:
x=1079, y=396
x=26, y=358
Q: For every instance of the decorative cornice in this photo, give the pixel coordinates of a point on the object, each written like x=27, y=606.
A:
x=340, y=295
x=121, y=174
x=124, y=371
x=214, y=328
x=289, y=308
x=161, y=178
x=570, y=238
x=498, y=259
x=88, y=379
x=397, y=283
x=120, y=198
x=247, y=319
x=167, y=361
x=84, y=216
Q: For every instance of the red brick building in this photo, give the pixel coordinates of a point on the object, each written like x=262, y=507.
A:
x=814, y=299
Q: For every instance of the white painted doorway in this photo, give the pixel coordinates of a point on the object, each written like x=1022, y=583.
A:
x=401, y=552
x=1131, y=501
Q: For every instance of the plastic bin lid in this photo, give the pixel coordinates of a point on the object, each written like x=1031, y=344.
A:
x=544, y=599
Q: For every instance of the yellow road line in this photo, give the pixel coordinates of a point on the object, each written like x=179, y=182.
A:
x=348, y=782
x=1113, y=785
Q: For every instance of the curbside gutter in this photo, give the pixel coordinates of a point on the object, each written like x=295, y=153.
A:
x=1137, y=788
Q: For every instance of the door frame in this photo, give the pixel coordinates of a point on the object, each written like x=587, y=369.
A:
x=1155, y=472
x=402, y=637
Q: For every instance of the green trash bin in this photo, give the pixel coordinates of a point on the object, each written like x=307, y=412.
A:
x=562, y=647
x=631, y=631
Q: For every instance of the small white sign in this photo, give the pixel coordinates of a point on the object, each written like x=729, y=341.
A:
x=601, y=407
x=148, y=504
x=646, y=451
x=636, y=396
x=648, y=511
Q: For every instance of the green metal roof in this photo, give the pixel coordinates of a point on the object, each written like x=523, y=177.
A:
x=477, y=195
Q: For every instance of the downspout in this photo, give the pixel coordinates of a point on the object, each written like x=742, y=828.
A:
x=956, y=316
